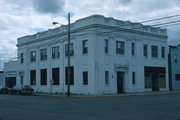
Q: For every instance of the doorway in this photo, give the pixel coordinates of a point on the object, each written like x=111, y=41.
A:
x=120, y=82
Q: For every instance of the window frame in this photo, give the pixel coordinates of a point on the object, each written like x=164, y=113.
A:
x=56, y=76
x=22, y=58
x=33, y=56
x=85, y=77
x=55, y=52
x=120, y=47
x=163, y=52
x=106, y=47
x=107, y=77
x=145, y=50
x=154, y=51
x=32, y=78
x=85, y=47
x=133, y=78
x=43, y=54
x=43, y=76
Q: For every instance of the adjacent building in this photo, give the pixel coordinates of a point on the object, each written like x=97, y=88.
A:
x=108, y=56
x=10, y=73
x=1, y=78
x=174, y=67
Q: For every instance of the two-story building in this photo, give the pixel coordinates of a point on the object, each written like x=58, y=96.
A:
x=108, y=56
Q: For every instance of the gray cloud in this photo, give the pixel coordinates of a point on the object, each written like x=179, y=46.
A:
x=48, y=6
x=125, y=2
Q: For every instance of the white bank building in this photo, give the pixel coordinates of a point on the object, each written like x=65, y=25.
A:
x=108, y=56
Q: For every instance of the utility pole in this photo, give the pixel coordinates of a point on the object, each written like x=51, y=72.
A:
x=69, y=71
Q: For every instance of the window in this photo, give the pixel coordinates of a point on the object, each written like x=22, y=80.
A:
x=120, y=47
x=145, y=50
x=154, y=51
x=163, y=52
x=133, y=78
x=107, y=77
x=43, y=54
x=33, y=77
x=33, y=56
x=175, y=58
x=133, y=49
x=84, y=47
x=43, y=76
x=71, y=75
x=177, y=76
x=55, y=76
x=85, y=78
x=106, y=46
x=71, y=52
x=22, y=57
x=21, y=79
x=55, y=52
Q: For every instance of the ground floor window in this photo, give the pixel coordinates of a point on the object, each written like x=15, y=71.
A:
x=71, y=75
x=55, y=76
x=107, y=77
x=10, y=82
x=154, y=77
x=133, y=78
x=43, y=76
x=33, y=77
x=21, y=79
x=85, y=78
x=177, y=76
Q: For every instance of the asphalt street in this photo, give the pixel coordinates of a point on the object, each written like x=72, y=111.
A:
x=145, y=107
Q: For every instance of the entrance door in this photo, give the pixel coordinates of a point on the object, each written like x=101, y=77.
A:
x=120, y=79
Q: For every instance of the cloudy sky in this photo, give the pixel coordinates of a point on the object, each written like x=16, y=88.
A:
x=25, y=17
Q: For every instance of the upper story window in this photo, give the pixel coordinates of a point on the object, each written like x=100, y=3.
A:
x=43, y=54
x=175, y=58
x=163, y=52
x=106, y=47
x=22, y=58
x=133, y=49
x=84, y=46
x=120, y=47
x=71, y=52
x=55, y=52
x=154, y=51
x=33, y=56
x=145, y=47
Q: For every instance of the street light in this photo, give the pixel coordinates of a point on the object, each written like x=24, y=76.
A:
x=68, y=77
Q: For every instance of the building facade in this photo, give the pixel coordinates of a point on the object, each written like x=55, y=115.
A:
x=1, y=78
x=108, y=56
x=10, y=73
x=174, y=67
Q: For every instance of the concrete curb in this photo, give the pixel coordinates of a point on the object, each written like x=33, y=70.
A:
x=105, y=96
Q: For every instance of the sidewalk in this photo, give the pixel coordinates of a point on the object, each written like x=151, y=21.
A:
x=110, y=95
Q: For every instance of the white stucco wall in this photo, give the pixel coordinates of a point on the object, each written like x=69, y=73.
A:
x=95, y=29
